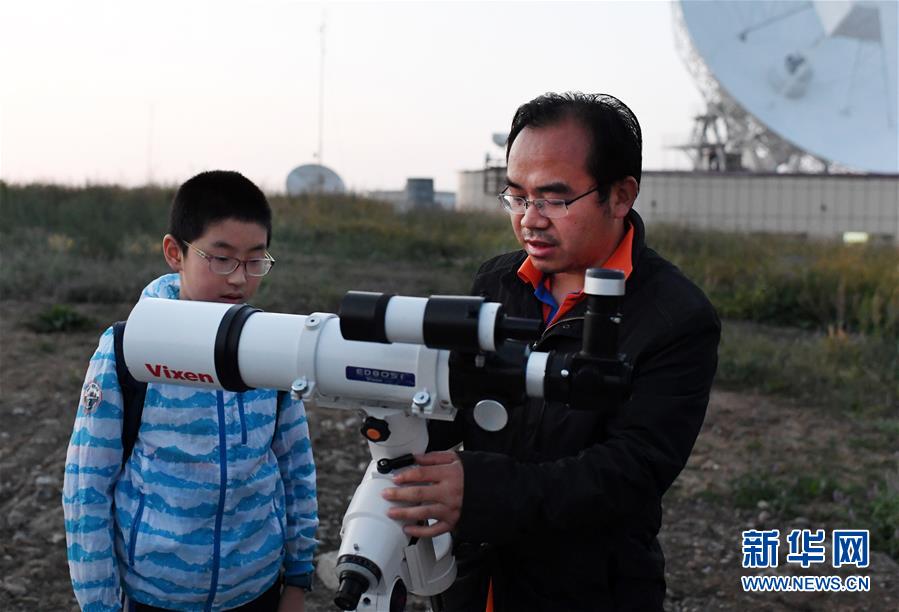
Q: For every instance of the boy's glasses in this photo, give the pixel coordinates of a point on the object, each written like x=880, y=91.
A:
x=219, y=264
x=549, y=208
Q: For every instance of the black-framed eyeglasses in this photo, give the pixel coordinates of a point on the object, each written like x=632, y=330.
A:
x=223, y=265
x=550, y=208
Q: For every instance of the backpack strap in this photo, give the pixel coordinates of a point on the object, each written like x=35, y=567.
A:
x=280, y=400
x=133, y=394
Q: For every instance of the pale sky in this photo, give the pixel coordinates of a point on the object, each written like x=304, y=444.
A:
x=130, y=91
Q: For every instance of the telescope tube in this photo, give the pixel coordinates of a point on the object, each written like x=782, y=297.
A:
x=237, y=347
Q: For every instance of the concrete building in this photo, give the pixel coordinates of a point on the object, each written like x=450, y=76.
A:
x=812, y=205
x=419, y=194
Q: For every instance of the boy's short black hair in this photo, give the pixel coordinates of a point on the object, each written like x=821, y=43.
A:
x=617, y=141
x=214, y=196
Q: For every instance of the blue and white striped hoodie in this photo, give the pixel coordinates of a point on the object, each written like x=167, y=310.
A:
x=211, y=506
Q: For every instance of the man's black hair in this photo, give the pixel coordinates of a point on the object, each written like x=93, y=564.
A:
x=214, y=196
x=617, y=142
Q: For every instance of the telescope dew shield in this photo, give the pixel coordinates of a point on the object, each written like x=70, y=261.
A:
x=173, y=341
x=211, y=345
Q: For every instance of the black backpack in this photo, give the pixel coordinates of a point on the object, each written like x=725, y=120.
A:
x=134, y=393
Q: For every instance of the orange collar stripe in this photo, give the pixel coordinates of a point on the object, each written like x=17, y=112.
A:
x=621, y=259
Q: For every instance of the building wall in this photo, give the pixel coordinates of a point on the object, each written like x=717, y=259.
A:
x=821, y=206
x=470, y=194
x=444, y=200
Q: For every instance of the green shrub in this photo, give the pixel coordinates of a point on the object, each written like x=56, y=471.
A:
x=884, y=521
x=98, y=219
x=821, y=496
x=784, y=495
x=839, y=371
x=59, y=318
x=789, y=281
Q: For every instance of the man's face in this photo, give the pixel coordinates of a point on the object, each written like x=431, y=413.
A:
x=551, y=162
x=226, y=238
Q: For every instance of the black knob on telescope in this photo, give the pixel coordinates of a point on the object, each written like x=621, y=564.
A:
x=604, y=289
x=375, y=429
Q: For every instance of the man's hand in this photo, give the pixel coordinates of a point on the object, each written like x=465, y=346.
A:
x=293, y=599
x=436, y=484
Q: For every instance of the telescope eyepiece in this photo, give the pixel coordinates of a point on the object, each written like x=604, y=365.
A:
x=604, y=289
x=357, y=574
x=352, y=585
x=604, y=282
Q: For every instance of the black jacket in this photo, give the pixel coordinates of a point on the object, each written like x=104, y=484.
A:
x=562, y=507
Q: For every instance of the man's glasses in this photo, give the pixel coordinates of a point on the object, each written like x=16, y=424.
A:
x=219, y=264
x=549, y=208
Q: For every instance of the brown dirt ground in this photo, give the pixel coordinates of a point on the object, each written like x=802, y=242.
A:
x=40, y=378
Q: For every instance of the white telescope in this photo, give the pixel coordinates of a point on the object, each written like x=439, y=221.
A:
x=394, y=377
x=389, y=356
x=223, y=346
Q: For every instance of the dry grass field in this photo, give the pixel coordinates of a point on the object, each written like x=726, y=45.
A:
x=801, y=430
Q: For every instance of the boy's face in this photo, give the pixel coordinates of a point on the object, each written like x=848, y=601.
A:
x=226, y=238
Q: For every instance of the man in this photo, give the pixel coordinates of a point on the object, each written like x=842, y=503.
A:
x=560, y=510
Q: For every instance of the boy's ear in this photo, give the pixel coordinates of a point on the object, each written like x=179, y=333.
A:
x=171, y=250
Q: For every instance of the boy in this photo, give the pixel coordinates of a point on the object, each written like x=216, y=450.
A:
x=218, y=495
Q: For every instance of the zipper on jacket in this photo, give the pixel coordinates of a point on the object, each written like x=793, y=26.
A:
x=223, y=483
x=135, y=527
x=280, y=521
x=243, y=420
x=559, y=322
x=535, y=441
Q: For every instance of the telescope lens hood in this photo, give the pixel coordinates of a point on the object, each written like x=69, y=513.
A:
x=352, y=585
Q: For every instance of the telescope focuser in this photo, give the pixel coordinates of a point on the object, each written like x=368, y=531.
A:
x=598, y=372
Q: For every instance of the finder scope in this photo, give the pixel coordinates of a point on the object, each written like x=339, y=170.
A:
x=450, y=322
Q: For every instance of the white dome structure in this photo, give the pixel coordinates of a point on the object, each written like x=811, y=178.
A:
x=313, y=178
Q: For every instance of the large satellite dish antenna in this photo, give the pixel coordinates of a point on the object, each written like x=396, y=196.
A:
x=794, y=85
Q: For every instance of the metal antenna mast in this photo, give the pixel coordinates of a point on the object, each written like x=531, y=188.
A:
x=321, y=91
x=151, y=125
